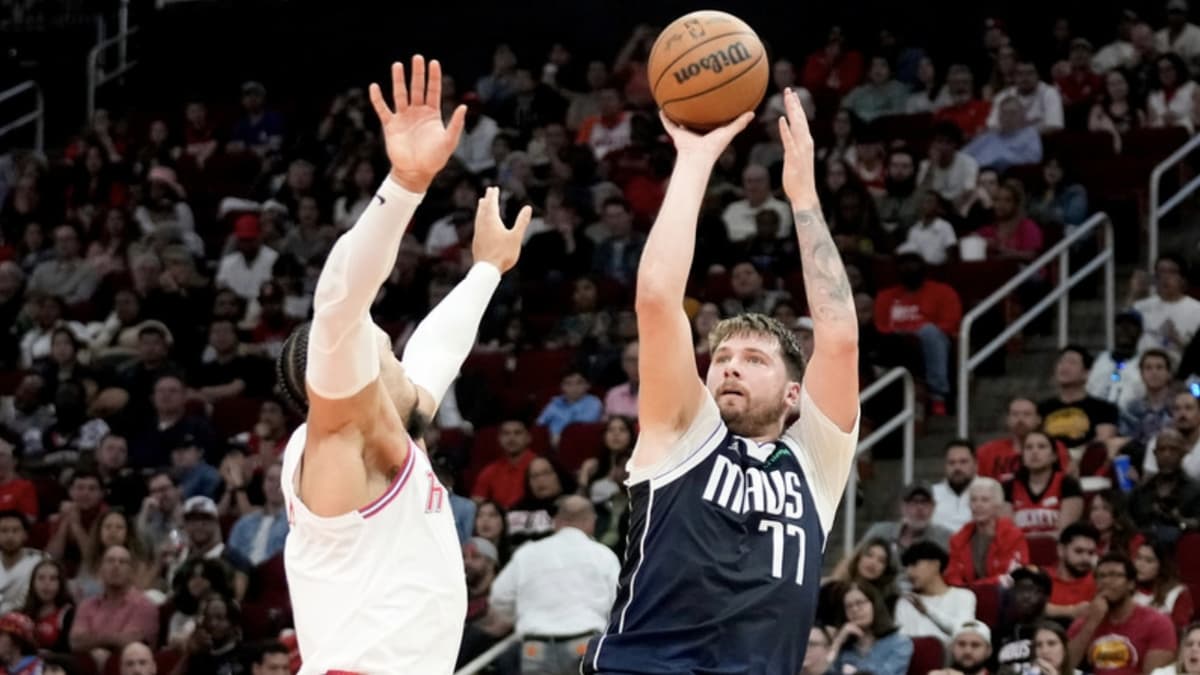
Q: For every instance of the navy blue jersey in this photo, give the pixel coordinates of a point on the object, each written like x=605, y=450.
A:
x=723, y=564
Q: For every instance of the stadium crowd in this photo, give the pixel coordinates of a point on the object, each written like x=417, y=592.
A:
x=151, y=268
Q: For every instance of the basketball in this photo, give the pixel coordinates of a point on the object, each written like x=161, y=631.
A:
x=706, y=68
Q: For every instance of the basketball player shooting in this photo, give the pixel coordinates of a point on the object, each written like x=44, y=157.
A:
x=373, y=561
x=730, y=506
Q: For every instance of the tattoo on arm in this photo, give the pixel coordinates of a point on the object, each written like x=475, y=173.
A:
x=828, y=288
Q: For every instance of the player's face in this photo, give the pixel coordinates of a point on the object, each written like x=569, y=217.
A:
x=859, y=610
x=1189, y=653
x=970, y=650
x=749, y=380
x=1146, y=564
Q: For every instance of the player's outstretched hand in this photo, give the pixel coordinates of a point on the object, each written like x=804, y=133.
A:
x=707, y=147
x=494, y=243
x=418, y=143
x=799, y=179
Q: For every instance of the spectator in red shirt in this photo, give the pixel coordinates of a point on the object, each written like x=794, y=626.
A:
x=1116, y=636
x=931, y=311
x=1005, y=549
x=122, y=614
x=1158, y=584
x=1044, y=498
x=1001, y=457
x=1074, y=586
x=966, y=111
x=833, y=69
x=504, y=479
x=15, y=492
x=1079, y=85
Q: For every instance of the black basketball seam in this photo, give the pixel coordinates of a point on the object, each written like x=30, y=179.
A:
x=714, y=88
x=667, y=68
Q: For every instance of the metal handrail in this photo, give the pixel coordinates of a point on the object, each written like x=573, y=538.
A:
x=97, y=79
x=1156, y=211
x=485, y=659
x=1060, y=253
x=37, y=117
x=906, y=417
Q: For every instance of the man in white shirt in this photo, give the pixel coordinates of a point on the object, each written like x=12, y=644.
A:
x=1114, y=375
x=1041, y=101
x=739, y=217
x=1170, y=317
x=948, y=172
x=245, y=270
x=933, y=609
x=558, y=590
x=16, y=561
x=952, y=497
x=1119, y=53
x=1180, y=35
x=475, y=145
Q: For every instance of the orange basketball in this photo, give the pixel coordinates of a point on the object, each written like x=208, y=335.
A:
x=706, y=68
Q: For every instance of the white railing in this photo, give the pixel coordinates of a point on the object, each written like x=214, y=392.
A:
x=485, y=659
x=99, y=75
x=905, y=417
x=1060, y=253
x=37, y=117
x=1157, y=211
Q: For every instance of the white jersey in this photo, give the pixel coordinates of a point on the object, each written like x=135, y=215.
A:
x=380, y=590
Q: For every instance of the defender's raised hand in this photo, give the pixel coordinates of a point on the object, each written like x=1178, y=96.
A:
x=418, y=143
x=494, y=243
x=799, y=179
x=707, y=146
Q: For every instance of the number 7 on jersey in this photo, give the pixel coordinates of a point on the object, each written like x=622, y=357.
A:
x=780, y=533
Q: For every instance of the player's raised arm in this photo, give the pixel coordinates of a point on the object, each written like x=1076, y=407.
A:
x=444, y=338
x=671, y=391
x=832, y=374
x=343, y=343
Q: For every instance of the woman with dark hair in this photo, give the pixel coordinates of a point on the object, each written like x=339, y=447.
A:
x=533, y=516
x=870, y=564
x=1170, y=101
x=95, y=186
x=1050, y=652
x=491, y=523
x=1012, y=235
x=50, y=606
x=64, y=364
x=868, y=640
x=1044, y=499
x=1116, y=112
x=111, y=237
x=1061, y=199
x=114, y=528
x=196, y=579
x=215, y=644
x=842, y=144
x=1158, y=583
x=1109, y=514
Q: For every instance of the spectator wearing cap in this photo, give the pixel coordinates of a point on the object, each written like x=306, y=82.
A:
x=991, y=545
x=250, y=266
x=1016, y=633
x=203, y=533
x=1142, y=418
x=260, y=534
x=104, y=624
x=259, y=130
x=1170, y=317
x=1114, y=375
x=1119, y=53
x=1167, y=502
x=970, y=650
x=1012, y=142
x=16, y=493
x=928, y=310
x=617, y=256
x=67, y=275
x=16, y=561
x=948, y=171
x=1073, y=416
x=138, y=659
x=481, y=562
x=70, y=526
x=749, y=292
x=1078, y=83
x=999, y=458
x=1073, y=583
x=170, y=427
x=880, y=95
x=1041, y=103
x=1043, y=498
x=1180, y=36
x=196, y=476
x=915, y=524
x=18, y=649
x=951, y=497
x=558, y=590
x=933, y=608
x=1117, y=636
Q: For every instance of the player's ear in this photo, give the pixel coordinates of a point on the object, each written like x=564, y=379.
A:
x=791, y=394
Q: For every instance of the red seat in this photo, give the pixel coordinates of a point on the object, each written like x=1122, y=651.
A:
x=987, y=602
x=1078, y=146
x=1187, y=554
x=538, y=368
x=580, y=442
x=928, y=655
x=232, y=416
x=909, y=128
x=1154, y=143
x=1043, y=550
x=166, y=659
x=9, y=379
x=1094, y=461
x=492, y=367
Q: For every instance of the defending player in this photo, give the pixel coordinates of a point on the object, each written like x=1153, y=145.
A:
x=373, y=561
x=730, y=507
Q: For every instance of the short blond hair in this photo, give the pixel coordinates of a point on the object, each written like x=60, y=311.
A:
x=761, y=325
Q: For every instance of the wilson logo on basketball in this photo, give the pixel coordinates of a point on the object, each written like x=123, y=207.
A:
x=714, y=62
